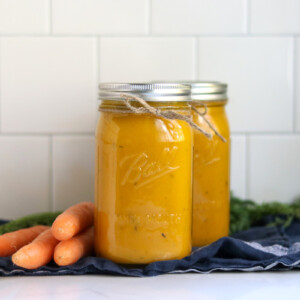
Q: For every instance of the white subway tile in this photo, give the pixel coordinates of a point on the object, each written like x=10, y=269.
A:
x=198, y=16
x=99, y=16
x=297, y=85
x=274, y=168
x=24, y=176
x=48, y=84
x=142, y=59
x=73, y=170
x=259, y=73
x=275, y=16
x=24, y=16
x=238, y=165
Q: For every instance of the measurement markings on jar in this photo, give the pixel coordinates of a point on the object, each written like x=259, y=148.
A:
x=157, y=219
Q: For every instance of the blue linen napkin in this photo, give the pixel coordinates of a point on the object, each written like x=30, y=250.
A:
x=257, y=249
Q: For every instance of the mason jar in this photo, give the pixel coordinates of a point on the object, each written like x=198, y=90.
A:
x=211, y=176
x=143, y=184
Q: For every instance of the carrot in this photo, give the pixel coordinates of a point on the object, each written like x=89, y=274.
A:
x=13, y=241
x=73, y=220
x=38, y=253
x=70, y=251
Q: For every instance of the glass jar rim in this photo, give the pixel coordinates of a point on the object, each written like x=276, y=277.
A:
x=208, y=90
x=150, y=92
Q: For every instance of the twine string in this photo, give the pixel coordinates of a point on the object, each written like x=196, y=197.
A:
x=166, y=114
x=210, y=125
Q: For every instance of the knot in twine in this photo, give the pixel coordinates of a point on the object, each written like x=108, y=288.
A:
x=210, y=125
x=166, y=114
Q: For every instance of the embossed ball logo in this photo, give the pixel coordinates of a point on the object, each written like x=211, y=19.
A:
x=141, y=169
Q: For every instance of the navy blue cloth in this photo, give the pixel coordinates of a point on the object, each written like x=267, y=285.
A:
x=257, y=249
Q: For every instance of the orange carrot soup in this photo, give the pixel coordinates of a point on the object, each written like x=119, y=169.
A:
x=143, y=185
x=211, y=189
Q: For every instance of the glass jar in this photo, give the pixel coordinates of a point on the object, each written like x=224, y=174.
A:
x=211, y=188
x=143, y=176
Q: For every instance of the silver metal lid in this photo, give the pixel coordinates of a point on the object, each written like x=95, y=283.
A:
x=208, y=90
x=152, y=92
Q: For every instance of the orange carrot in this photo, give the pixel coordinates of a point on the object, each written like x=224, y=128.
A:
x=13, y=241
x=38, y=253
x=73, y=220
x=70, y=251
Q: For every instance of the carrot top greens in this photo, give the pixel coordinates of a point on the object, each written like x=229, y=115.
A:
x=247, y=213
x=46, y=218
x=243, y=215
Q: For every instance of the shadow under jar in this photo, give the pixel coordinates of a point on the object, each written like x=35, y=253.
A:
x=143, y=175
x=211, y=177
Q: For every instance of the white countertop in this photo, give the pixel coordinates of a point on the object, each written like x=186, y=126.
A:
x=267, y=285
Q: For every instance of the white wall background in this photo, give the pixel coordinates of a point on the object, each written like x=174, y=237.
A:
x=53, y=54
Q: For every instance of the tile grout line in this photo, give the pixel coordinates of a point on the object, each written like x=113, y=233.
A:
x=45, y=134
x=80, y=134
x=294, y=80
x=97, y=72
x=266, y=133
x=50, y=13
x=97, y=75
x=247, y=165
x=0, y=88
x=128, y=35
x=51, y=174
x=149, y=17
x=196, y=50
x=98, y=54
x=247, y=17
